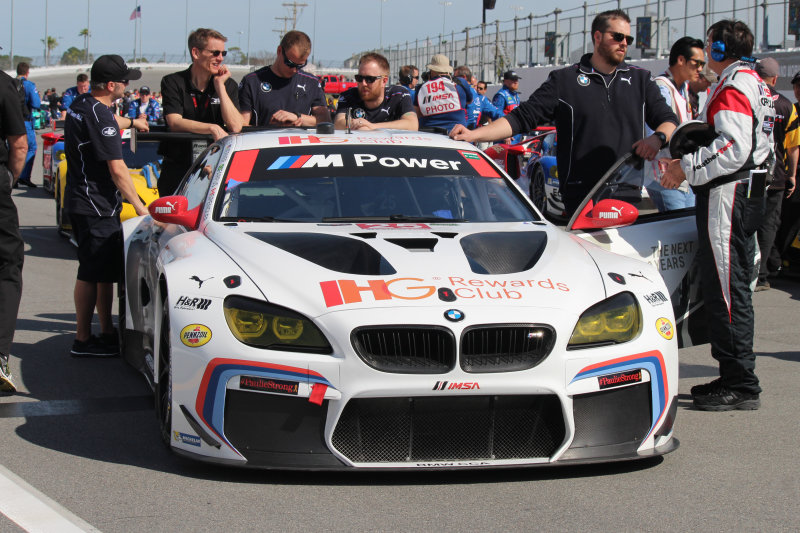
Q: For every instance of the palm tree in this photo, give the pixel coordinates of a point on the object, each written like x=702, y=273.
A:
x=49, y=46
x=85, y=34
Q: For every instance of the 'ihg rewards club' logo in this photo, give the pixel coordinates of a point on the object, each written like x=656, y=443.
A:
x=348, y=291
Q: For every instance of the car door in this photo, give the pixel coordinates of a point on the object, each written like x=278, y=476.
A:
x=664, y=239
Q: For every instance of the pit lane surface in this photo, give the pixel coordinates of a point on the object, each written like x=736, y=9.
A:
x=81, y=438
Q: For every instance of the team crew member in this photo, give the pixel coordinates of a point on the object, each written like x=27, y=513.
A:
x=728, y=177
x=96, y=174
x=787, y=138
x=463, y=76
x=441, y=102
x=282, y=94
x=81, y=87
x=409, y=77
x=485, y=109
x=145, y=106
x=600, y=107
x=32, y=102
x=507, y=98
x=373, y=104
x=13, y=146
x=201, y=99
x=686, y=60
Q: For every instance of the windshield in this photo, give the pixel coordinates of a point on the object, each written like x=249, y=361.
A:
x=334, y=183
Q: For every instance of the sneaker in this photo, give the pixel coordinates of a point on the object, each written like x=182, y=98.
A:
x=6, y=381
x=724, y=399
x=94, y=347
x=762, y=286
x=28, y=182
x=111, y=339
x=705, y=388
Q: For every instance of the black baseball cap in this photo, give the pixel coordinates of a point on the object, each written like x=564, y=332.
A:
x=796, y=78
x=113, y=68
x=144, y=89
x=511, y=75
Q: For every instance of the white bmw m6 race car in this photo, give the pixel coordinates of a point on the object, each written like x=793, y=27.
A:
x=393, y=300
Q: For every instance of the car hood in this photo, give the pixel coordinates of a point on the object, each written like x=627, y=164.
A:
x=318, y=268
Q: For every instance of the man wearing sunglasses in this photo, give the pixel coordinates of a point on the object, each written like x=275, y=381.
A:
x=201, y=99
x=282, y=94
x=686, y=61
x=409, y=77
x=96, y=175
x=600, y=107
x=372, y=104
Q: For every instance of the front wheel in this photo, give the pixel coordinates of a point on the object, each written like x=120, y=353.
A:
x=163, y=388
x=537, y=191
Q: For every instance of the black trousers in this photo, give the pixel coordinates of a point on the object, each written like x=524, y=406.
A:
x=726, y=222
x=11, y=259
x=770, y=257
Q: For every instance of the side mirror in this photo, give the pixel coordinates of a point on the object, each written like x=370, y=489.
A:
x=607, y=213
x=173, y=210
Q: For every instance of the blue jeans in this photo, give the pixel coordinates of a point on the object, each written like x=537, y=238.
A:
x=25, y=175
x=669, y=199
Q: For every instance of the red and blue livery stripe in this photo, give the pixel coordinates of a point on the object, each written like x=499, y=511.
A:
x=210, y=404
x=289, y=161
x=653, y=362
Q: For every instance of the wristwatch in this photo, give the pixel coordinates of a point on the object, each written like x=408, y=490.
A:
x=131, y=126
x=660, y=135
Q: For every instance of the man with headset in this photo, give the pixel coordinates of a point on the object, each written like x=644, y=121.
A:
x=729, y=179
x=409, y=77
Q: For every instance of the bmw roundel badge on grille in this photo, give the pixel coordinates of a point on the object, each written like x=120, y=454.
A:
x=453, y=315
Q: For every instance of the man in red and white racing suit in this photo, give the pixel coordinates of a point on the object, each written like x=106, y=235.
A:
x=729, y=179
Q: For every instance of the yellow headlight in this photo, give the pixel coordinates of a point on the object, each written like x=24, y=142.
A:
x=615, y=320
x=260, y=324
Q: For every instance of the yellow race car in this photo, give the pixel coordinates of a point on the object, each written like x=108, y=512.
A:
x=144, y=166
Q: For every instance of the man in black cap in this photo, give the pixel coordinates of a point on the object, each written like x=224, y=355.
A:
x=145, y=107
x=507, y=98
x=96, y=175
x=783, y=176
x=201, y=99
x=13, y=148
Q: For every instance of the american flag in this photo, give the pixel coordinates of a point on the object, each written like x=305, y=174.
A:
x=137, y=13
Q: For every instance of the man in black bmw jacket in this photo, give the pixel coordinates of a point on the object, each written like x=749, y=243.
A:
x=600, y=107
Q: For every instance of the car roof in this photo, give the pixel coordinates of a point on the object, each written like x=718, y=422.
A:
x=297, y=136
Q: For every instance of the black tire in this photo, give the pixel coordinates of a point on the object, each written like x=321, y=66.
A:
x=537, y=191
x=163, y=389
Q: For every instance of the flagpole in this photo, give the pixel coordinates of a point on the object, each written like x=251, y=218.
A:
x=135, y=22
x=139, y=16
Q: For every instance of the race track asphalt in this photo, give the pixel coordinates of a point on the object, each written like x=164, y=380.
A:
x=82, y=436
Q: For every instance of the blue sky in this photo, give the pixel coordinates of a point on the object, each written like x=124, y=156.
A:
x=342, y=27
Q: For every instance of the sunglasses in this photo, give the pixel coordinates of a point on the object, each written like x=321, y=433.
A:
x=697, y=63
x=619, y=37
x=369, y=79
x=291, y=64
x=217, y=53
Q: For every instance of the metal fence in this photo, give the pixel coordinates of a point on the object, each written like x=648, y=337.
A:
x=490, y=49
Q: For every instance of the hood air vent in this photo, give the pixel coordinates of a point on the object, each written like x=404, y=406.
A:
x=334, y=252
x=503, y=252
